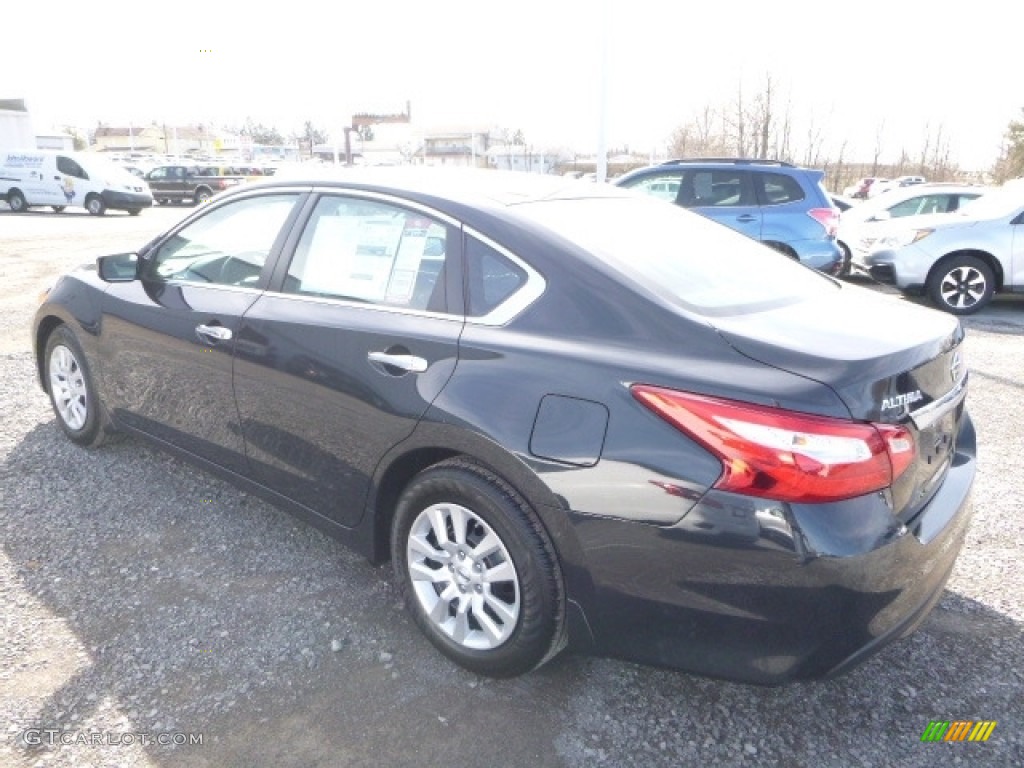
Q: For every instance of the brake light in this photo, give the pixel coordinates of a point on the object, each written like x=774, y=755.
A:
x=785, y=455
x=827, y=217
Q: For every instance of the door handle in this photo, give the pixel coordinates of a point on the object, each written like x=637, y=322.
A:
x=745, y=218
x=409, y=363
x=213, y=334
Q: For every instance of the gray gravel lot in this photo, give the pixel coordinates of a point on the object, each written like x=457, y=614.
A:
x=141, y=596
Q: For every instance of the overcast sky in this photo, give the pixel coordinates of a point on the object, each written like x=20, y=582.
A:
x=859, y=70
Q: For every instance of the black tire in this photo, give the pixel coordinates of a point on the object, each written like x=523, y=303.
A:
x=844, y=269
x=477, y=568
x=134, y=211
x=94, y=204
x=961, y=285
x=782, y=248
x=58, y=208
x=202, y=195
x=16, y=201
x=72, y=390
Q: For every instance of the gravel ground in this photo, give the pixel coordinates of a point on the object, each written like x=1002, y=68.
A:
x=141, y=596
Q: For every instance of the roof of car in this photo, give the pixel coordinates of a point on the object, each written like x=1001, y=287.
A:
x=465, y=185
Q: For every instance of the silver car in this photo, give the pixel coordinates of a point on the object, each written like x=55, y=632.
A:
x=961, y=259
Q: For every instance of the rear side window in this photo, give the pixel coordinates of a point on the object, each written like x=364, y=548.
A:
x=492, y=277
x=373, y=253
x=778, y=188
x=715, y=188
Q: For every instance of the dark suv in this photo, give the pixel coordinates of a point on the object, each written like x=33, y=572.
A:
x=778, y=203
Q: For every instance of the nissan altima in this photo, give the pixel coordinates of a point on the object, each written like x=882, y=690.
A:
x=571, y=416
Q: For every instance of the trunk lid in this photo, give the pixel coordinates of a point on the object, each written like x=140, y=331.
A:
x=889, y=361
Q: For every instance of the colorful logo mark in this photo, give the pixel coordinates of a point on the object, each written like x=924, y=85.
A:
x=958, y=730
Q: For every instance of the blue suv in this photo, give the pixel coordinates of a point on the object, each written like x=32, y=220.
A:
x=780, y=204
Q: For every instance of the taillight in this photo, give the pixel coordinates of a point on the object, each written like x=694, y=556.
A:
x=827, y=217
x=785, y=455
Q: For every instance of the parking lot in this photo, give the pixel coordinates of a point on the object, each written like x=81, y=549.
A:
x=147, y=601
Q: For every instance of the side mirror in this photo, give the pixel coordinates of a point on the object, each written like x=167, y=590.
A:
x=118, y=267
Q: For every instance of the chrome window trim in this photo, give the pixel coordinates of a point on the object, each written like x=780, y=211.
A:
x=927, y=415
x=531, y=290
x=349, y=304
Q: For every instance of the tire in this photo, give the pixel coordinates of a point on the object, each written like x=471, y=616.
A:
x=58, y=208
x=16, y=201
x=844, y=270
x=962, y=285
x=72, y=390
x=493, y=602
x=782, y=248
x=134, y=211
x=201, y=196
x=94, y=204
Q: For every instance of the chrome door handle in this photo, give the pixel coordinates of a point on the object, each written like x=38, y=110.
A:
x=409, y=363
x=213, y=333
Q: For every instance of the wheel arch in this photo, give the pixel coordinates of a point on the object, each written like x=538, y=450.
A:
x=990, y=261
x=45, y=327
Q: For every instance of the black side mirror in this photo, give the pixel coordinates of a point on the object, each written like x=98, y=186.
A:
x=118, y=267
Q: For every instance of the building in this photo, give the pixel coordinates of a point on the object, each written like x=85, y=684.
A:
x=521, y=157
x=459, y=147
x=164, y=139
x=16, y=130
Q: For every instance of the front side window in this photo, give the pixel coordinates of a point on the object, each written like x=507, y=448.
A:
x=664, y=186
x=371, y=252
x=227, y=246
x=69, y=167
x=157, y=174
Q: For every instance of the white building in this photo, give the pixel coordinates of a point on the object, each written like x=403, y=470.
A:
x=16, y=130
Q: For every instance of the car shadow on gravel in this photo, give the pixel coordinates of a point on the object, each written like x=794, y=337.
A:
x=150, y=597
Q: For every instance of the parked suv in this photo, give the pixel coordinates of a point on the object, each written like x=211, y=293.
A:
x=958, y=259
x=778, y=203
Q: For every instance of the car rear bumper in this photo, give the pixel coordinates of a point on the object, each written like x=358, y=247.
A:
x=824, y=255
x=761, y=592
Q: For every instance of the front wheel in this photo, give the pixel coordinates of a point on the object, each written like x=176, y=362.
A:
x=477, y=570
x=58, y=208
x=94, y=204
x=72, y=392
x=962, y=285
x=16, y=201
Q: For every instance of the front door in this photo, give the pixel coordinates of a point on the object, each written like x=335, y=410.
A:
x=168, y=338
x=338, y=364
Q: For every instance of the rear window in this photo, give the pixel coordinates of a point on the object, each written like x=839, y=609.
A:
x=685, y=258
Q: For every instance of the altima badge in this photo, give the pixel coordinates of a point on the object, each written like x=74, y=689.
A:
x=899, y=401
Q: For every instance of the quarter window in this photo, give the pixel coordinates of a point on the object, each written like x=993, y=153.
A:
x=492, y=277
x=372, y=253
x=777, y=188
x=227, y=246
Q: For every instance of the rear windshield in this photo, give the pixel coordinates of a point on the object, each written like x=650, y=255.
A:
x=693, y=262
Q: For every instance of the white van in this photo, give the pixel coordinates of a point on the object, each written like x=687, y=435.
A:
x=59, y=179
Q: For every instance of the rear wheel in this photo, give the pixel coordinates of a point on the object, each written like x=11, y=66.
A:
x=202, y=195
x=782, y=248
x=94, y=204
x=16, y=201
x=134, y=211
x=844, y=268
x=477, y=570
x=72, y=392
x=962, y=285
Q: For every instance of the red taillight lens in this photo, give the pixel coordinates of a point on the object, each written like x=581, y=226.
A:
x=827, y=217
x=784, y=455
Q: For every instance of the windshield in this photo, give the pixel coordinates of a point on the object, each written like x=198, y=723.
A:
x=996, y=204
x=681, y=256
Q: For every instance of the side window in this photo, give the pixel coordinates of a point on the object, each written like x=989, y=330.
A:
x=157, y=173
x=227, y=246
x=955, y=201
x=702, y=189
x=778, y=188
x=69, y=167
x=911, y=207
x=491, y=277
x=664, y=186
x=371, y=252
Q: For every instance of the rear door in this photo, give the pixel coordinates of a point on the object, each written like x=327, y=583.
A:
x=725, y=195
x=340, y=359
x=168, y=338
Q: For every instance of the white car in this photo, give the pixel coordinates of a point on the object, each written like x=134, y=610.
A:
x=859, y=226
x=959, y=260
x=886, y=185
